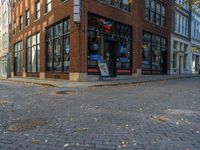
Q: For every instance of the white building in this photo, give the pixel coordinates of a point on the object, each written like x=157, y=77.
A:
x=195, y=39
x=4, y=37
x=180, y=59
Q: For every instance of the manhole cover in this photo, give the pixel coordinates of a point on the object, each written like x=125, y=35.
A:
x=65, y=92
x=4, y=102
x=28, y=124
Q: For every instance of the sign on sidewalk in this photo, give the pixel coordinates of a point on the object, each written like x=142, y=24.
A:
x=103, y=67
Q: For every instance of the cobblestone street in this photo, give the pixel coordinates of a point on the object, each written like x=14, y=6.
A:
x=156, y=116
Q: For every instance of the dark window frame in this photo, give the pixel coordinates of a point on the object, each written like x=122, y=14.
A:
x=149, y=12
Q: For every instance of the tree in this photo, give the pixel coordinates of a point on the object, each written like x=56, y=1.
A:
x=194, y=4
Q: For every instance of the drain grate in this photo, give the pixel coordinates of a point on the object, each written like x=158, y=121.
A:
x=65, y=92
x=28, y=124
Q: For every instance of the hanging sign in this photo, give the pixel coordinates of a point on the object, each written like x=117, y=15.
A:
x=77, y=11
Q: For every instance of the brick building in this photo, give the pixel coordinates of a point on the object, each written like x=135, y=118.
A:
x=49, y=40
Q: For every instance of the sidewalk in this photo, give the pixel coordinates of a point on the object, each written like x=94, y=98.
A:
x=111, y=82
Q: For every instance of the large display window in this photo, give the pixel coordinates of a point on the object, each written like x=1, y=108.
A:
x=154, y=51
x=110, y=41
x=18, y=57
x=33, y=53
x=58, y=47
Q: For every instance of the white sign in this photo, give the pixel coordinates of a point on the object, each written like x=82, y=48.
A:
x=103, y=67
x=77, y=11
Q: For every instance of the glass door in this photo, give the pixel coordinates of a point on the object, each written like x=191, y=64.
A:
x=110, y=56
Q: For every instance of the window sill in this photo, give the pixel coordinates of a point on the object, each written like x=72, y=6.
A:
x=47, y=13
x=27, y=26
x=61, y=3
x=148, y=21
x=37, y=20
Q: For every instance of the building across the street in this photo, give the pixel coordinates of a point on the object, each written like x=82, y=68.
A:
x=180, y=55
x=195, y=38
x=4, y=38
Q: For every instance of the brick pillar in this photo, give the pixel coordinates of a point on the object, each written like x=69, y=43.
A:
x=24, y=58
x=137, y=37
x=78, y=53
x=42, y=73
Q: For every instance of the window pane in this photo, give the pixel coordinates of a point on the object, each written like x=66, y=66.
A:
x=57, y=55
x=50, y=56
x=66, y=53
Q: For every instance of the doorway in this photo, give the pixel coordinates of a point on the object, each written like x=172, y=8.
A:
x=110, y=56
x=164, y=65
x=180, y=64
x=196, y=63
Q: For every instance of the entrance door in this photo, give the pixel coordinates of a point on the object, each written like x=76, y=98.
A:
x=15, y=66
x=164, y=67
x=110, y=57
x=180, y=65
x=196, y=63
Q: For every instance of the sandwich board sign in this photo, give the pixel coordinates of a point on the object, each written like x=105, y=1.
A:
x=103, y=67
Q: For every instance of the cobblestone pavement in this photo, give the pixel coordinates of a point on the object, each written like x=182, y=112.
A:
x=162, y=115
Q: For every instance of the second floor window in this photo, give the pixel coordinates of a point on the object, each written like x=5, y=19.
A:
x=14, y=3
x=14, y=28
x=27, y=17
x=121, y=4
x=37, y=10
x=20, y=22
x=181, y=24
x=155, y=11
x=48, y=5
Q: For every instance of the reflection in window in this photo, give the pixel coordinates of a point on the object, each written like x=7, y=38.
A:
x=155, y=11
x=101, y=30
x=58, y=47
x=33, y=53
x=18, y=57
x=152, y=49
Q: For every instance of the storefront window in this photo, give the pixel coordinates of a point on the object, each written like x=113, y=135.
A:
x=33, y=52
x=50, y=56
x=18, y=57
x=146, y=56
x=102, y=31
x=153, y=47
x=156, y=57
x=58, y=47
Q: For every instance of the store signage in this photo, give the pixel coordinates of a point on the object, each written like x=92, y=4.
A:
x=77, y=11
x=103, y=67
x=194, y=49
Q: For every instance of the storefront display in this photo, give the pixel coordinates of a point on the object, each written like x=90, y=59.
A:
x=154, y=50
x=58, y=47
x=109, y=41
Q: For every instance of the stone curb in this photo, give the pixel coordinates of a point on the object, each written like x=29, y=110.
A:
x=101, y=85
x=140, y=82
